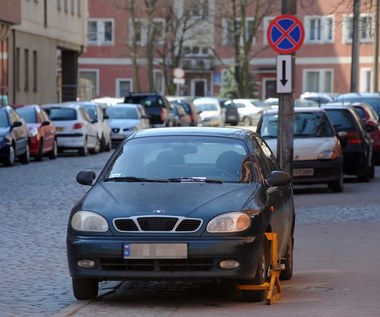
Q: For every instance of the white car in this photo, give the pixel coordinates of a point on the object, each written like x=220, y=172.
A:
x=96, y=113
x=248, y=112
x=211, y=113
x=317, y=155
x=74, y=128
x=124, y=119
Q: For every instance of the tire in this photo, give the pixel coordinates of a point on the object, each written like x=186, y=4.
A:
x=260, y=277
x=97, y=147
x=54, y=152
x=25, y=158
x=287, y=273
x=85, y=288
x=247, y=121
x=38, y=157
x=10, y=160
x=337, y=186
x=103, y=145
x=84, y=150
x=364, y=174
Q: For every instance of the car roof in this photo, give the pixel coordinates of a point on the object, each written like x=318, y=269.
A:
x=297, y=109
x=358, y=95
x=127, y=105
x=230, y=132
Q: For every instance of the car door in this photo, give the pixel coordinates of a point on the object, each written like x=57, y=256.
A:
x=90, y=127
x=48, y=130
x=19, y=132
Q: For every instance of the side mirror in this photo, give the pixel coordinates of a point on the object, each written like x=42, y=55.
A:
x=86, y=177
x=342, y=136
x=371, y=125
x=278, y=178
x=17, y=124
x=45, y=123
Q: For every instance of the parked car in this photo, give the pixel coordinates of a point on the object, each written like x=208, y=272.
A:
x=187, y=104
x=96, y=113
x=371, y=98
x=13, y=137
x=317, y=154
x=124, y=119
x=156, y=106
x=210, y=111
x=318, y=97
x=248, y=112
x=41, y=131
x=230, y=110
x=74, y=128
x=371, y=121
x=181, y=118
x=356, y=143
x=185, y=204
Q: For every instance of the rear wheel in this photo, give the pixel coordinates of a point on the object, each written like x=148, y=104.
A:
x=96, y=148
x=85, y=288
x=25, y=158
x=260, y=277
x=54, y=151
x=247, y=121
x=38, y=157
x=84, y=150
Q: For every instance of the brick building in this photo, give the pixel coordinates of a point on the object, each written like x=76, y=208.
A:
x=323, y=62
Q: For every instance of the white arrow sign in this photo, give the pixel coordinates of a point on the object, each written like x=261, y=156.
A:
x=284, y=74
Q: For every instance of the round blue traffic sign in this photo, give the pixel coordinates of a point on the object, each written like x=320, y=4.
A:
x=285, y=34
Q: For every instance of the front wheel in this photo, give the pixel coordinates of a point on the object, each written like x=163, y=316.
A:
x=54, y=151
x=84, y=288
x=337, y=186
x=260, y=277
x=25, y=158
x=10, y=159
x=247, y=121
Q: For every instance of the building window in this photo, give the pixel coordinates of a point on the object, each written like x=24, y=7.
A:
x=17, y=69
x=159, y=83
x=319, y=29
x=100, y=32
x=318, y=80
x=26, y=70
x=123, y=87
x=366, y=80
x=88, y=80
x=267, y=21
x=198, y=9
x=35, y=72
x=59, y=8
x=158, y=31
x=366, y=28
x=229, y=30
x=138, y=31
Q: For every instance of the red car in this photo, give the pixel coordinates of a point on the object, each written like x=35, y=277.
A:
x=371, y=120
x=42, y=132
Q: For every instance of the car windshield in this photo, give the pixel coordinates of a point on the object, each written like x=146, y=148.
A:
x=182, y=159
x=62, y=114
x=3, y=119
x=27, y=114
x=146, y=101
x=306, y=125
x=117, y=112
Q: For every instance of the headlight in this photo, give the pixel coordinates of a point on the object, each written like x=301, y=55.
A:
x=229, y=222
x=330, y=154
x=89, y=221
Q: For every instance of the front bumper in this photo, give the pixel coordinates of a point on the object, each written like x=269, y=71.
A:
x=202, y=262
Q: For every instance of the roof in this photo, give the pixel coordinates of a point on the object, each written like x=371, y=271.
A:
x=297, y=109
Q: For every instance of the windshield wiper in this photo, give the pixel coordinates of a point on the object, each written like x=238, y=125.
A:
x=270, y=137
x=134, y=179
x=195, y=180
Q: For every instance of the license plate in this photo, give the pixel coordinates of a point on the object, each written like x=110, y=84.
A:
x=303, y=172
x=59, y=129
x=155, y=250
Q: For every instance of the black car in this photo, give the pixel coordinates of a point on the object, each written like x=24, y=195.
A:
x=230, y=111
x=182, y=203
x=356, y=142
x=13, y=137
x=156, y=106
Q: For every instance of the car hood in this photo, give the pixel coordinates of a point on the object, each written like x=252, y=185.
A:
x=4, y=131
x=198, y=200
x=306, y=148
x=125, y=123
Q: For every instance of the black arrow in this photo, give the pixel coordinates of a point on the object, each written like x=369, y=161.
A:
x=283, y=79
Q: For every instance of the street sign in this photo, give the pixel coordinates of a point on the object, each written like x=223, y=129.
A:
x=179, y=81
x=179, y=72
x=284, y=74
x=286, y=34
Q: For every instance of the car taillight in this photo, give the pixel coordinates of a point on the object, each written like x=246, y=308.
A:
x=163, y=113
x=353, y=138
x=78, y=125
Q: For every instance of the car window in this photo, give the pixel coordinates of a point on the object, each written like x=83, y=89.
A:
x=121, y=113
x=27, y=114
x=91, y=111
x=341, y=119
x=146, y=101
x=3, y=119
x=175, y=157
x=62, y=114
x=207, y=107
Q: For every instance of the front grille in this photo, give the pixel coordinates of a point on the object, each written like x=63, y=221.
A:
x=157, y=265
x=115, y=130
x=157, y=224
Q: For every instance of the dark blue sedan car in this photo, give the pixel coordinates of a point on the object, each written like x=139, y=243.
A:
x=182, y=204
x=13, y=137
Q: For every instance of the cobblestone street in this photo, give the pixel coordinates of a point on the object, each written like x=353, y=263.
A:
x=35, y=204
